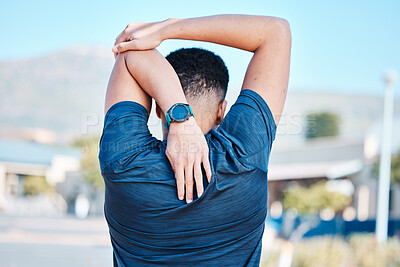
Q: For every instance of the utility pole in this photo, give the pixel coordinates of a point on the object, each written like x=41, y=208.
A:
x=382, y=212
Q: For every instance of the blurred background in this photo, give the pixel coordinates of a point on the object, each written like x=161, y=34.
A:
x=55, y=60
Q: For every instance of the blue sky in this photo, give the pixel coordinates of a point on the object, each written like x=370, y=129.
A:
x=338, y=45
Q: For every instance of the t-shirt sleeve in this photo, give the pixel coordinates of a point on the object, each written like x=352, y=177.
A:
x=125, y=134
x=250, y=128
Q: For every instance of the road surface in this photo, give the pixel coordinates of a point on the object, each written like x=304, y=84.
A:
x=45, y=242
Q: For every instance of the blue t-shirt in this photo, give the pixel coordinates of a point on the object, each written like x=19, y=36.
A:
x=150, y=226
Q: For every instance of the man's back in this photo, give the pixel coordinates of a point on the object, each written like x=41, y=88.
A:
x=149, y=226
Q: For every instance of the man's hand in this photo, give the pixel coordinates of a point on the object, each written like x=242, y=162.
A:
x=140, y=36
x=187, y=149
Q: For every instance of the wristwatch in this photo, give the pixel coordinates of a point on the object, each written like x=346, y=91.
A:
x=179, y=112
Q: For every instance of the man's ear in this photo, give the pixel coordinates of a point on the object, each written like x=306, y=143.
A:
x=221, y=111
x=158, y=111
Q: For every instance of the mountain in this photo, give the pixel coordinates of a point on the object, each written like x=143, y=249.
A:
x=57, y=91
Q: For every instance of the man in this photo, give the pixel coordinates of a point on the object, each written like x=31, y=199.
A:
x=149, y=225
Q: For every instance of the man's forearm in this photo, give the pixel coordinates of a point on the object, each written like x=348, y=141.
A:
x=156, y=77
x=239, y=31
x=186, y=148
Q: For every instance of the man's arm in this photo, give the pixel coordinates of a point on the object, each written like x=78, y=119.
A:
x=269, y=38
x=139, y=76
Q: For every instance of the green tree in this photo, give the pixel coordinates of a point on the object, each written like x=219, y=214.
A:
x=394, y=169
x=322, y=124
x=90, y=162
x=36, y=185
x=313, y=199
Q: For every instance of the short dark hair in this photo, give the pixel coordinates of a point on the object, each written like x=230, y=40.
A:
x=200, y=72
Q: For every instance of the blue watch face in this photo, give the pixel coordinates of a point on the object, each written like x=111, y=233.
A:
x=179, y=113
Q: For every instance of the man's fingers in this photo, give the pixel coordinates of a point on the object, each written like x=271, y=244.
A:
x=118, y=39
x=180, y=181
x=189, y=182
x=122, y=37
x=198, y=177
x=207, y=167
x=125, y=46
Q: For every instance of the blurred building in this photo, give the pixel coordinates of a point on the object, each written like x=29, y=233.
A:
x=20, y=159
x=329, y=159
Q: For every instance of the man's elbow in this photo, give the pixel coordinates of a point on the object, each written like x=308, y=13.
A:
x=283, y=23
x=278, y=29
x=282, y=29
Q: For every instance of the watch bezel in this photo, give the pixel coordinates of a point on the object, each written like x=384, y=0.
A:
x=169, y=116
x=171, y=113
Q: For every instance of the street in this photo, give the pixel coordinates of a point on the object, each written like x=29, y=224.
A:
x=66, y=241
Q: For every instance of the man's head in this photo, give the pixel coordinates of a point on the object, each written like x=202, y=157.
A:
x=204, y=79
